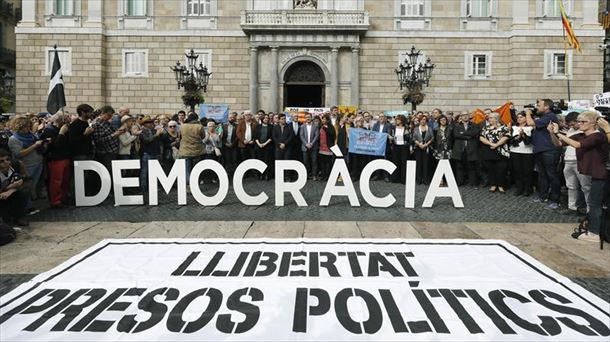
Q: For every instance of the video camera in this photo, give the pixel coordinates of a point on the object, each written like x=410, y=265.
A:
x=557, y=108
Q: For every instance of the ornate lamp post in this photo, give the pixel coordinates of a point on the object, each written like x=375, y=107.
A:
x=193, y=78
x=7, y=83
x=413, y=77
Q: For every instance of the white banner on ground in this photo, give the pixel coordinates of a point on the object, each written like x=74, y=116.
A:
x=301, y=289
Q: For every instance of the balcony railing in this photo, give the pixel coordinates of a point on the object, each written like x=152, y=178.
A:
x=305, y=20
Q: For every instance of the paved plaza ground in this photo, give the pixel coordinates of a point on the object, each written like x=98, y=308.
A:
x=56, y=235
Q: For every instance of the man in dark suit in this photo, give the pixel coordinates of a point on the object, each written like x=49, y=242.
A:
x=383, y=126
x=310, y=145
x=282, y=138
x=230, y=149
x=465, y=149
x=295, y=149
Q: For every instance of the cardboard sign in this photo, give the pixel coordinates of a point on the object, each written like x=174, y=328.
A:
x=293, y=289
x=602, y=100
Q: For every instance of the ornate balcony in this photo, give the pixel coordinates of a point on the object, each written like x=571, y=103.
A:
x=304, y=20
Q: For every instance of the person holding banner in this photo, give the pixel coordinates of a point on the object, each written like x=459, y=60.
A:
x=327, y=140
x=400, y=149
x=357, y=161
x=423, y=138
x=263, y=146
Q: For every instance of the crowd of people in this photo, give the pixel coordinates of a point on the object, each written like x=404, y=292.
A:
x=539, y=150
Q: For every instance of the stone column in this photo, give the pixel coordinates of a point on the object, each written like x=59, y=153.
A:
x=253, y=79
x=355, y=95
x=94, y=18
x=274, y=80
x=28, y=13
x=334, y=77
x=590, y=12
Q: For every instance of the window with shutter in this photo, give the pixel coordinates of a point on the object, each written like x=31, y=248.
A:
x=135, y=63
x=412, y=8
x=63, y=7
x=479, y=8
x=136, y=7
x=65, y=59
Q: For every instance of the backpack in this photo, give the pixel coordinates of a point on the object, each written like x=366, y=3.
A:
x=7, y=234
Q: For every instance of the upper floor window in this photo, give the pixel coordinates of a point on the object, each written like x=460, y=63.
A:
x=136, y=8
x=63, y=7
x=65, y=60
x=557, y=64
x=477, y=65
x=479, y=8
x=411, y=8
x=135, y=63
x=199, y=7
x=550, y=8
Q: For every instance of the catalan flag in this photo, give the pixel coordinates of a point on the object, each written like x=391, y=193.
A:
x=504, y=112
x=568, y=30
x=478, y=116
x=604, y=19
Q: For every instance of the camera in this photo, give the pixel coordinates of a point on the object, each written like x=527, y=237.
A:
x=557, y=108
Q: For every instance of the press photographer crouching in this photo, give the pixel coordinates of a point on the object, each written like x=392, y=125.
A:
x=591, y=156
x=13, y=193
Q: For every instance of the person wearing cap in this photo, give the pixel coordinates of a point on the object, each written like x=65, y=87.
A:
x=128, y=137
x=191, y=146
x=150, y=139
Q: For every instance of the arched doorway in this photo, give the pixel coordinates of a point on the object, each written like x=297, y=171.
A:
x=304, y=85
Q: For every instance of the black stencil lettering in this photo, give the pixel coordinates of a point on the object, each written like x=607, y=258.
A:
x=329, y=263
x=377, y=262
x=396, y=318
x=256, y=256
x=54, y=299
x=101, y=325
x=354, y=264
x=239, y=264
x=209, y=268
x=430, y=311
x=370, y=326
x=548, y=327
x=284, y=264
x=226, y=325
x=209, y=313
x=406, y=265
x=301, y=307
x=461, y=312
x=597, y=326
x=55, y=310
x=101, y=307
x=148, y=304
x=497, y=320
x=185, y=264
x=268, y=262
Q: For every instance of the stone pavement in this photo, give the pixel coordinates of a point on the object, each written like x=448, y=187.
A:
x=45, y=245
x=479, y=206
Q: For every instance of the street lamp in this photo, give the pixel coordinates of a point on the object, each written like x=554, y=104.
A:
x=193, y=78
x=413, y=77
x=7, y=83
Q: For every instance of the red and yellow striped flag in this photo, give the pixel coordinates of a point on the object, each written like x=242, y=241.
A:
x=567, y=26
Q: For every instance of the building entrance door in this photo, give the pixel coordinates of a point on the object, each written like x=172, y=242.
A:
x=304, y=85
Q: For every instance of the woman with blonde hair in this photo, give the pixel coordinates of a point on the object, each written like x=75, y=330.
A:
x=494, y=138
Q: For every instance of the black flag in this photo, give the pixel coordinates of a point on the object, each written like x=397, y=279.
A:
x=57, y=99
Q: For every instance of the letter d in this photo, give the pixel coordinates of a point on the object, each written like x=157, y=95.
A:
x=80, y=167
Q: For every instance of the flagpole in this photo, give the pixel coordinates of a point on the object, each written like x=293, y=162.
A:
x=565, y=53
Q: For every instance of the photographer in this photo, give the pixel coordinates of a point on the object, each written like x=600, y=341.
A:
x=546, y=154
x=591, y=156
x=13, y=200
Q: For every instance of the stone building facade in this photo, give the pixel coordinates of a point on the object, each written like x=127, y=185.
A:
x=274, y=53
